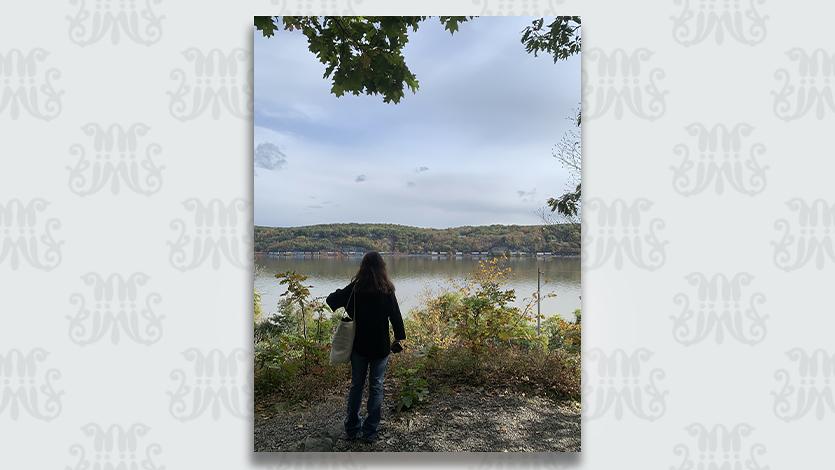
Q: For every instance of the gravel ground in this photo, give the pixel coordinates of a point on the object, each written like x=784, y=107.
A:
x=469, y=419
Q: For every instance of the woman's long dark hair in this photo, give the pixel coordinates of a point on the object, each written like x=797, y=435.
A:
x=372, y=275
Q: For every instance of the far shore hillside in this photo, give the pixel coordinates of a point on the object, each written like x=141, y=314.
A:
x=484, y=240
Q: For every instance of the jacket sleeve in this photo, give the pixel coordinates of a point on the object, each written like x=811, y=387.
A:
x=339, y=298
x=397, y=320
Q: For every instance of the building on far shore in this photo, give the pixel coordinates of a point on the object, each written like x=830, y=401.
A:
x=500, y=251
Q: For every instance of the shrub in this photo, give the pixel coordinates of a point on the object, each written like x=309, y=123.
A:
x=295, y=368
x=478, y=315
x=272, y=327
x=292, y=346
x=556, y=373
x=256, y=310
x=455, y=365
x=432, y=325
x=562, y=334
x=486, y=318
x=274, y=364
x=321, y=327
x=412, y=386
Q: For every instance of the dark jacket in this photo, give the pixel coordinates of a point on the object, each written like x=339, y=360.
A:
x=373, y=313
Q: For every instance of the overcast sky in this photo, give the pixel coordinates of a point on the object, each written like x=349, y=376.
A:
x=471, y=147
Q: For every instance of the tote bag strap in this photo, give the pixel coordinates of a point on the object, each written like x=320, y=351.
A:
x=354, y=295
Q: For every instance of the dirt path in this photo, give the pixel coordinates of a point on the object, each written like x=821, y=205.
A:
x=463, y=419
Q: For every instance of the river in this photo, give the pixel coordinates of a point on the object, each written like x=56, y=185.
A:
x=415, y=275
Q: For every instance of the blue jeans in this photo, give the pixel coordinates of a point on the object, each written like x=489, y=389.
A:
x=375, y=369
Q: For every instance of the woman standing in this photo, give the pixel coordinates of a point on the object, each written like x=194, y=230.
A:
x=369, y=300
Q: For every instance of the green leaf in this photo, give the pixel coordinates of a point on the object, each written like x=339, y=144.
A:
x=266, y=25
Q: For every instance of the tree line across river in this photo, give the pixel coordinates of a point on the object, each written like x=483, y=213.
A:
x=556, y=239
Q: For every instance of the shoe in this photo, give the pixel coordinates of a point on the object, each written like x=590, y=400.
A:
x=369, y=439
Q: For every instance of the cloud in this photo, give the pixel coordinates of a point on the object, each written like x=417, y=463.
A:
x=421, y=169
x=411, y=184
x=526, y=195
x=360, y=178
x=269, y=157
x=316, y=204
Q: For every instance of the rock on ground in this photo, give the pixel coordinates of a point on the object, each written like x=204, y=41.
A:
x=468, y=419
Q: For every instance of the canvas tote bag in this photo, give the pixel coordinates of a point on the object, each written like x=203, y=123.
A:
x=343, y=337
